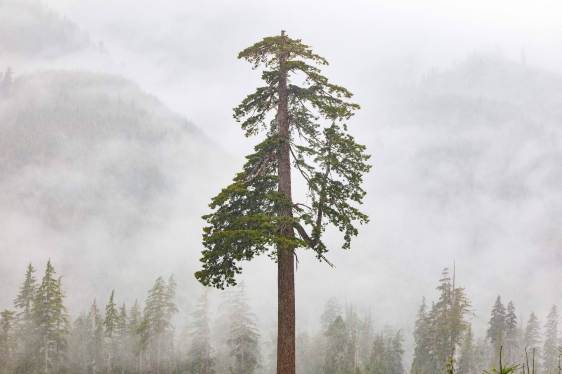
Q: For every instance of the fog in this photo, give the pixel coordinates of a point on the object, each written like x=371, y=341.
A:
x=461, y=110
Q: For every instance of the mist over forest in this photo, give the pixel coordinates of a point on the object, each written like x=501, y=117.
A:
x=116, y=131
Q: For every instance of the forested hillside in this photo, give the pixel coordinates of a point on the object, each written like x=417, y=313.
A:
x=478, y=146
x=86, y=160
x=496, y=130
x=100, y=131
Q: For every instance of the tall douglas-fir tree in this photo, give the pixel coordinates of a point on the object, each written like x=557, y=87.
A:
x=303, y=117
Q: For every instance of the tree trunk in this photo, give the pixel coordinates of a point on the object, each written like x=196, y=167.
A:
x=285, y=255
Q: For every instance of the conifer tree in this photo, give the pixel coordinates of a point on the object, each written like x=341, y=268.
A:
x=96, y=346
x=156, y=328
x=310, y=353
x=135, y=317
x=220, y=330
x=304, y=122
x=170, y=311
x=386, y=354
x=483, y=355
x=154, y=324
x=25, y=329
x=550, y=353
x=395, y=352
x=122, y=342
x=448, y=322
x=50, y=322
x=111, y=316
x=352, y=349
x=332, y=310
x=26, y=295
x=532, y=338
x=110, y=325
x=366, y=337
x=422, y=339
x=467, y=354
x=441, y=324
x=243, y=338
x=135, y=333
x=336, y=359
x=170, y=298
x=7, y=341
x=496, y=329
x=511, y=349
x=439, y=332
x=378, y=364
x=79, y=345
x=200, y=358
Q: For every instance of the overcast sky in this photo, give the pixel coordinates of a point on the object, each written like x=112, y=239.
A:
x=184, y=52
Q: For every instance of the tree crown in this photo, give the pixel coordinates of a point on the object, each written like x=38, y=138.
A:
x=246, y=220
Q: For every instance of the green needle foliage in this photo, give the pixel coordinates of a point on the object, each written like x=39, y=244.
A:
x=250, y=216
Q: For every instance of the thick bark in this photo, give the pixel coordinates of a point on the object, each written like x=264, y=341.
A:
x=285, y=255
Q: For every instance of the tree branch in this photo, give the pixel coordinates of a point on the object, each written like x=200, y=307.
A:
x=260, y=168
x=311, y=243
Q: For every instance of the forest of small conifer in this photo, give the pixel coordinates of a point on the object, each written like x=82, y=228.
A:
x=38, y=335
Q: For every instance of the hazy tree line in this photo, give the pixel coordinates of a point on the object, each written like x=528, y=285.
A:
x=444, y=339
x=348, y=343
x=38, y=336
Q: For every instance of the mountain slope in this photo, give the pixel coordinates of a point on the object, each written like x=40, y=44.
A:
x=468, y=171
x=97, y=137
x=498, y=124
x=94, y=171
